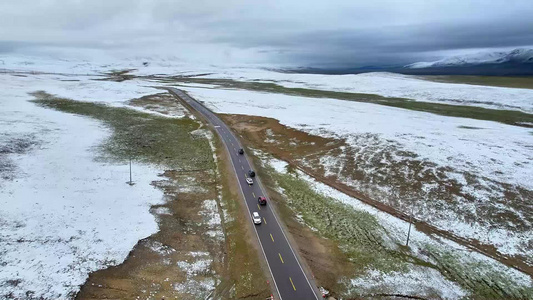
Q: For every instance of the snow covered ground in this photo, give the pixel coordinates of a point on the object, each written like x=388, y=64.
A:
x=53, y=191
x=63, y=214
x=416, y=280
x=495, y=152
x=379, y=83
x=395, y=85
x=98, y=64
x=520, y=55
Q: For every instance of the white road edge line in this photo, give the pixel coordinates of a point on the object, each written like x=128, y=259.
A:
x=277, y=221
x=281, y=229
x=250, y=217
x=255, y=229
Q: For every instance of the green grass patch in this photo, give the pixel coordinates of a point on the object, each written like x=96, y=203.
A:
x=142, y=136
x=358, y=233
x=469, y=127
x=370, y=247
x=500, y=81
x=510, y=117
x=172, y=144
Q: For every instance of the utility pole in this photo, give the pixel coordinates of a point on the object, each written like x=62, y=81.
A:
x=409, y=231
x=130, y=182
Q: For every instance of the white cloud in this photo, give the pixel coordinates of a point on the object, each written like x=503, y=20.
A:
x=276, y=31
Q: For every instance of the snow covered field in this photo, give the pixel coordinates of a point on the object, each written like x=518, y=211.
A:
x=379, y=83
x=98, y=64
x=395, y=85
x=416, y=280
x=492, y=152
x=63, y=214
x=52, y=191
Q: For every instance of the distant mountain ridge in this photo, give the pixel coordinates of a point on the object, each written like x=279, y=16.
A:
x=516, y=56
x=517, y=62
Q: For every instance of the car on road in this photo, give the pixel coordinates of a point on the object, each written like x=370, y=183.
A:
x=262, y=200
x=251, y=173
x=249, y=181
x=241, y=151
x=256, y=218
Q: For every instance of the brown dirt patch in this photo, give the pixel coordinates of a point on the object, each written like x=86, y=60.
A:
x=151, y=269
x=323, y=257
x=150, y=274
x=246, y=268
x=163, y=103
x=118, y=75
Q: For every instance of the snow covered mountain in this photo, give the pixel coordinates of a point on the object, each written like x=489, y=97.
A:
x=517, y=62
x=517, y=56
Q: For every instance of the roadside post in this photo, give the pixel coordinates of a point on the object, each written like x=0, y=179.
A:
x=409, y=231
x=130, y=182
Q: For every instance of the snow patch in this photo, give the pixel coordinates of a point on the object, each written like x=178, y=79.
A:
x=421, y=282
x=64, y=214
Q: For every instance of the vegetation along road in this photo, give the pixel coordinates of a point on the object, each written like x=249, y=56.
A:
x=290, y=279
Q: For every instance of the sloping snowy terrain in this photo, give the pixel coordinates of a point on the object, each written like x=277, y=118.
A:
x=394, y=85
x=383, y=84
x=436, y=138
x=417, y=280
x=63, y=213
x=86, y=64
x=522, y=55
x=495, y=153
x=52, y=191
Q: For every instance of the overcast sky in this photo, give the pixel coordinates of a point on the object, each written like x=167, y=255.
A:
x=291, y=32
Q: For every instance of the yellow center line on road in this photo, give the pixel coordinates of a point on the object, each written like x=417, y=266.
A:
x=258, y=206
x=292, y=284
x=282, y=261
x=253, y=194
x=271, y=237
x=265, y=220
x=242, y=167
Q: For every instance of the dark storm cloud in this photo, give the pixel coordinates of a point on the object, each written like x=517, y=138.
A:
x=407, y=44
x=316, y=33
x=392, y=44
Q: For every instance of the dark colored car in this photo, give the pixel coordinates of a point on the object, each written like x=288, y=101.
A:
x=241, y=151
x=251, y=173
x=262, y=200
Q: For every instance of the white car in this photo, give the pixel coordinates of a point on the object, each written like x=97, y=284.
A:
x=256, y=218
x=249, y=180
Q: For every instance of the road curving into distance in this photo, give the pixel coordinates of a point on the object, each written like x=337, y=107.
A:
x=290, y=280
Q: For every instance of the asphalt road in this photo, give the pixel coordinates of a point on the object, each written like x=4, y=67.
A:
x=290, y=280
